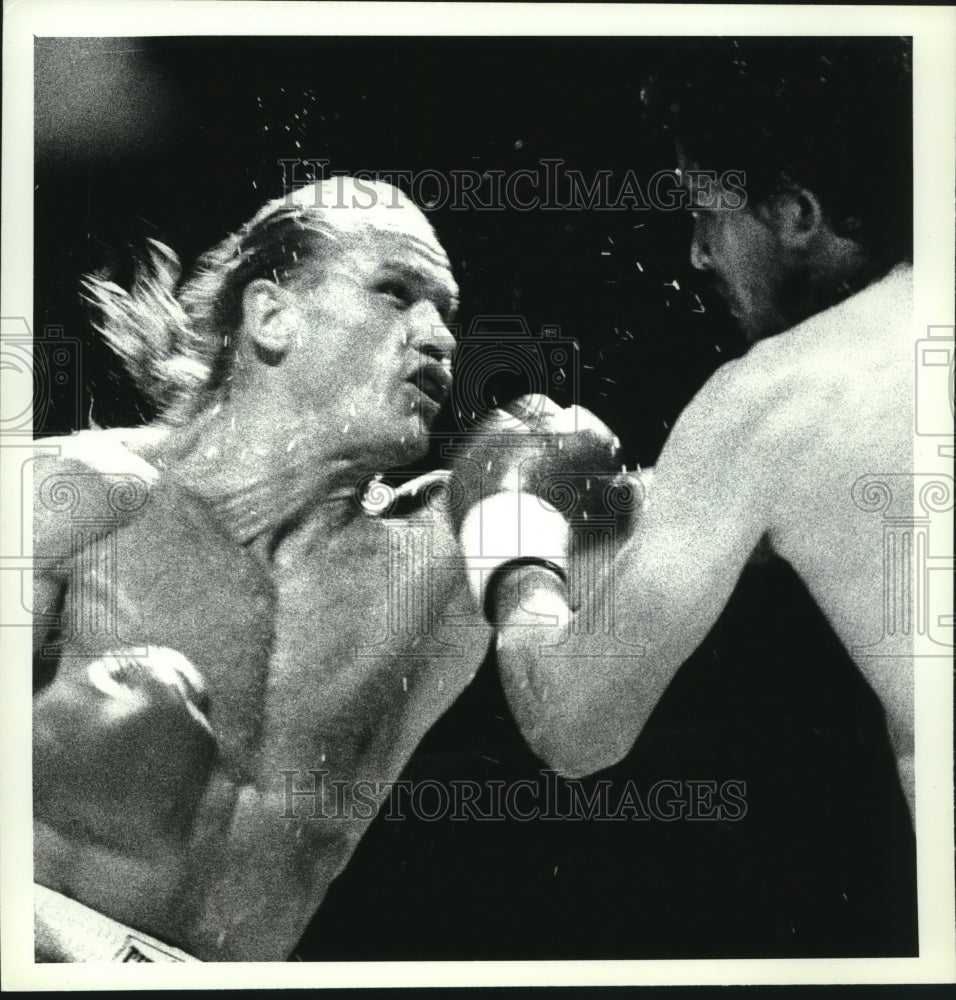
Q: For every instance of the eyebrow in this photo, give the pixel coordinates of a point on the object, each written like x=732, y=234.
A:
x=444, y=292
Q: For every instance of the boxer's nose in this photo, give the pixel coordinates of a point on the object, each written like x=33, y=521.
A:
x=699, y=256
x=431, y=334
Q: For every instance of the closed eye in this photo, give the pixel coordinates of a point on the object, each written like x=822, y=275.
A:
x=398, y=291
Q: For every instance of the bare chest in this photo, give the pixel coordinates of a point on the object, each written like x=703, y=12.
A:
x=343, y=648
x=375, y=635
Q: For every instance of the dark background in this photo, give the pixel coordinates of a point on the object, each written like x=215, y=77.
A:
x=179, y=140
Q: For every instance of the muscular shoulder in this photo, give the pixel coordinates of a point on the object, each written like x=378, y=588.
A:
x=840, y=375
x=725, y=453
x=101, y=476
x=739, y=408
x=846, y=343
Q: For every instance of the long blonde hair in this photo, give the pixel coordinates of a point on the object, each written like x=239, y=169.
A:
x=178, y=339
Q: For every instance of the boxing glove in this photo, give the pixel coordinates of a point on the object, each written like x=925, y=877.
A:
x=532, y=472
x=123, y=746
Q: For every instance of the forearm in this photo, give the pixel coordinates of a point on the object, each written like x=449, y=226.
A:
x=577, y=701
x=583, y=666
x=583, y=684
x=573, y=686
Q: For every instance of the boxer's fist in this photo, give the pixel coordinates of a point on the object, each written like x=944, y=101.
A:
x=566, y=457
x=580, y=470
x=123, y=745
x=530, y=473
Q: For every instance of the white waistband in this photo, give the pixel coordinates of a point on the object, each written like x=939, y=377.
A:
x=68, y=931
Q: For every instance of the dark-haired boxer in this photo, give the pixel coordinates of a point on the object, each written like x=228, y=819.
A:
x=778, y=445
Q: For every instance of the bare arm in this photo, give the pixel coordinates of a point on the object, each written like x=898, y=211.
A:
x=582, y=697
x=51, y=551
x=89, y=480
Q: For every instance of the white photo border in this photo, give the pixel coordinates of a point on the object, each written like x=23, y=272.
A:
x=933, y=30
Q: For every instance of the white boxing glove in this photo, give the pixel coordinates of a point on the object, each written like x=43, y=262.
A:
x=511, y=529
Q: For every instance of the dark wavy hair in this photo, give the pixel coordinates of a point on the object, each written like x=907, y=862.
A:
x=832, y=114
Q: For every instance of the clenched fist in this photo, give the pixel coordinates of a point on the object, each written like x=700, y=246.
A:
x=532, y=471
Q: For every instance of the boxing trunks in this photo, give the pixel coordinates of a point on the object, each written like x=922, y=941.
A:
x=68, y=931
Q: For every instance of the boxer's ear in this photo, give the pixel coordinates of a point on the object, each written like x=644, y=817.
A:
x=264, y=319
x=796, y=216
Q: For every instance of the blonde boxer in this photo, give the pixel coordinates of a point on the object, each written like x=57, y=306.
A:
x=220, y=691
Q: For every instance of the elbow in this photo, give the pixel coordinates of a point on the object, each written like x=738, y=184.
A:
x=574, y=730
x=575, y=752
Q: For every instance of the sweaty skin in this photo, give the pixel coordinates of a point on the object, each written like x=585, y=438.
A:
x=250, y=618
x=771, y=448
